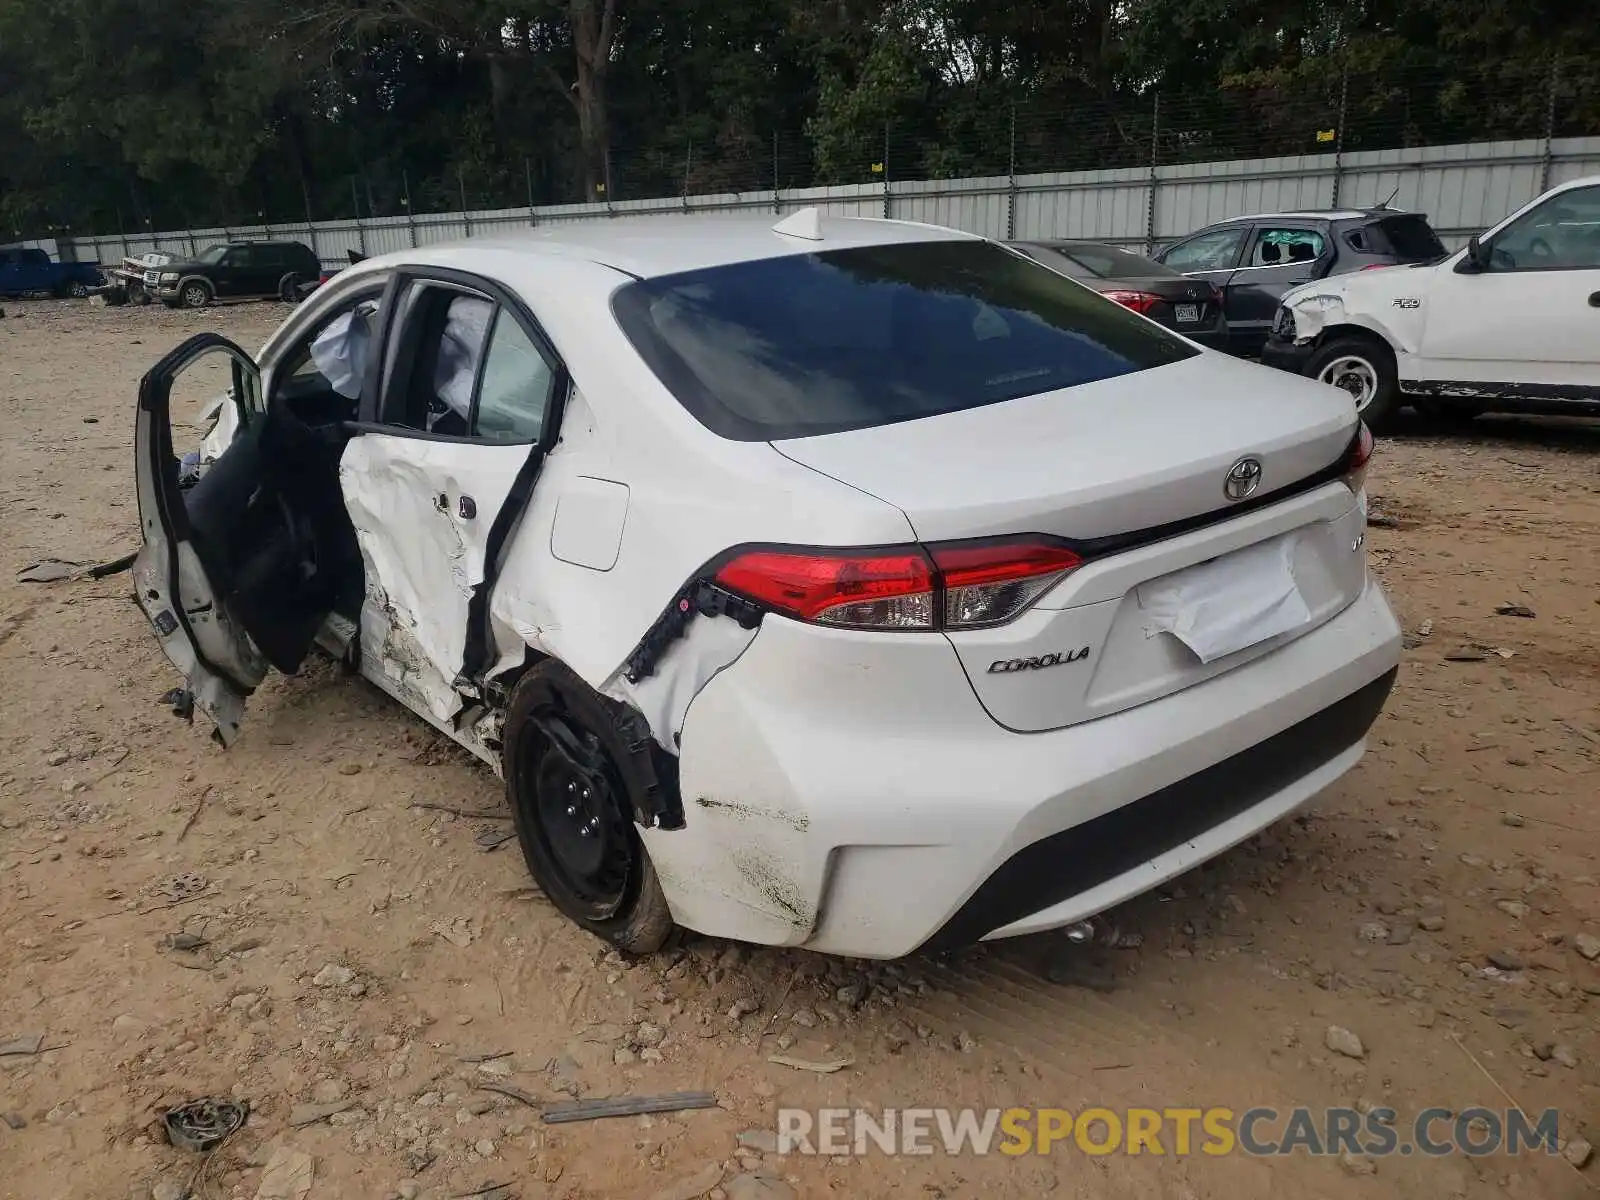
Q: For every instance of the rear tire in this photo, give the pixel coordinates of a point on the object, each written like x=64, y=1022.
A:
x=289, y=288
x=1363, y=366
x=570, y=782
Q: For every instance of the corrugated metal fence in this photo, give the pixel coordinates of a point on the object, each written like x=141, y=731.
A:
x=1463, y=189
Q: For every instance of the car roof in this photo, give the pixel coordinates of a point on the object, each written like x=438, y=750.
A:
x=648, y=247
x=1314, y=214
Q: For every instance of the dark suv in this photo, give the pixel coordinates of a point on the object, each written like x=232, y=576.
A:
x=1255, y=260
x=235, y=270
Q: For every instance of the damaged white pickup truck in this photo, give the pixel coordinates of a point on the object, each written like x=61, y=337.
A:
x=1508, y=323
x=839, y=583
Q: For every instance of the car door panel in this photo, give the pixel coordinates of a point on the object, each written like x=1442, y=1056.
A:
x=435, y=509
x=423, y=510
x=1212, y=255
x=249, y=557
x=199, y=632
x=1267, y=271
x=1515, y=327
x=1532, y=318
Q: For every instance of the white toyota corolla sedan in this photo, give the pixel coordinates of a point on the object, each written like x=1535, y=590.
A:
x=841, y=583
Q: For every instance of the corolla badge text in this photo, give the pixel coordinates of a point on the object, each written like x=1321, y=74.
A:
x=1038, y=662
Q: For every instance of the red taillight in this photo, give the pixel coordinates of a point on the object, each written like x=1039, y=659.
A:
x=882, y=589
x=988, y=584
x=963, y=586
x=1355, y=464
x=1140, y=302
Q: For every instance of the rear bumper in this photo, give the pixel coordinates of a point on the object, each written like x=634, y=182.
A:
x=1215, y=338
x=852, y=796
x=1080, y=871
x=1287, y=355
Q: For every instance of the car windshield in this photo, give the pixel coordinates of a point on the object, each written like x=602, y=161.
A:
x=847, y=339
x=212, y=254
x=1107, y=262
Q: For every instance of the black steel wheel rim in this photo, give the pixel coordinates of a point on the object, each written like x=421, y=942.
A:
x=571, y=788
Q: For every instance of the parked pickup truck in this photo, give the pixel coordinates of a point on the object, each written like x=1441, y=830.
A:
x=28, y=271
x=1508, y=323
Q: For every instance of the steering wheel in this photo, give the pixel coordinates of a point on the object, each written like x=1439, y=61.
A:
x=1539, y=248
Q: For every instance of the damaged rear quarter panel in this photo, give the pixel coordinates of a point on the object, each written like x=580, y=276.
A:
x=691, y=495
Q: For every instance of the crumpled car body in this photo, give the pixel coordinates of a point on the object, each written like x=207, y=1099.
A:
x=788, y=576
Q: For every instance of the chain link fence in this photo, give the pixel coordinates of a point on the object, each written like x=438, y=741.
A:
x=1323, y=109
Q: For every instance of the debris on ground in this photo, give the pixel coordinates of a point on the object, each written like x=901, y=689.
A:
x=1378, y=520
x=628, y=1106
x=1515, y=610
x=288, y=1175
x=1341, y=1041
x=333, y=975
x=1466, y=654
x=309, y=1114
x=56, y=570
x=186, y=943
x=493, y=839
x=820, y=1067
x=22, y=1045
x=204, y=1124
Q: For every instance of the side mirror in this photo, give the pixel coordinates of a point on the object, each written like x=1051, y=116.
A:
x=1476, y=259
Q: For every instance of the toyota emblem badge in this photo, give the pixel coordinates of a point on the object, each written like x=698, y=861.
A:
x=1243, y=478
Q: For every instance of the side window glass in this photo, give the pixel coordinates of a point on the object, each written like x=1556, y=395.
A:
x=1563, y=233
x=327, y=369
x=516, y=386
x=455, y=366
x=1281, y=247
x=1213, y=251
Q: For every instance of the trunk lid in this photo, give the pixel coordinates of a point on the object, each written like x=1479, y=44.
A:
x=1111, y=457
x=1122, y=459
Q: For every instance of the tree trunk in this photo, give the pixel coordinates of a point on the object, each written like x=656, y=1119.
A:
x=594, y=27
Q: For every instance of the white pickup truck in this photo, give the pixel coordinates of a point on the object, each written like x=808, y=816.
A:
x=1510, y=322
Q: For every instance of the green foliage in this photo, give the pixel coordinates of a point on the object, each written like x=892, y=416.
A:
x=149, y=112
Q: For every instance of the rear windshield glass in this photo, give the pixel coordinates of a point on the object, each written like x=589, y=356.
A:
x=847, y=339
x=1410, y=239
x=1110, y=263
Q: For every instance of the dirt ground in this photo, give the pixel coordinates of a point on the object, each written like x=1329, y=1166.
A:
x=363, y=951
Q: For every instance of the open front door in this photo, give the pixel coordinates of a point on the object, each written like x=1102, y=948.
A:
x=237, y=569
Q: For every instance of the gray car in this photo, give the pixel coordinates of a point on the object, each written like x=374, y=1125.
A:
x=1255, y=260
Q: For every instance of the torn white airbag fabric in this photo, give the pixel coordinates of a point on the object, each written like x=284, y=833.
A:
x=340, y=352
x=1219, y=607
